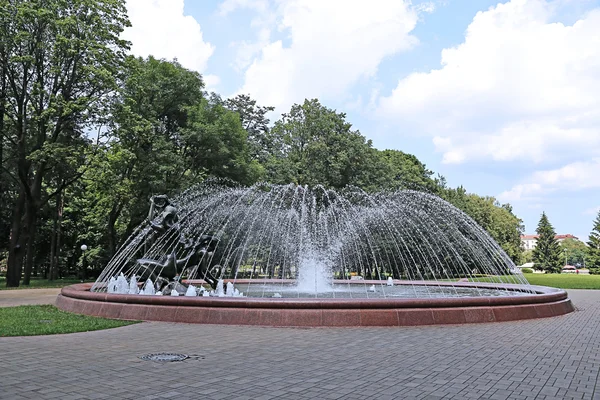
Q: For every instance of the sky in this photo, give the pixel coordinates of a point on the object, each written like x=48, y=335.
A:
x=500, y=97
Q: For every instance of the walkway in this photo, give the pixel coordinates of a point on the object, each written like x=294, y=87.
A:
x=556, y=358
x=20, y=297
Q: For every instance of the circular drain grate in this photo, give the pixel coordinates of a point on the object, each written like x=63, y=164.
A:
x=164, y=357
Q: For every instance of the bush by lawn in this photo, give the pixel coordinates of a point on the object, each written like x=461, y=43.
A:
x=49, y=320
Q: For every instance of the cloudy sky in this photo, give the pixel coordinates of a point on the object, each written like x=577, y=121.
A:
x=503, y=98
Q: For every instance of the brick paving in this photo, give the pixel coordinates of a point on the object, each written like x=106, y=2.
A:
x=553, y=358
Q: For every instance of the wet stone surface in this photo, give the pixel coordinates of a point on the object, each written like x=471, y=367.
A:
x=380, y=291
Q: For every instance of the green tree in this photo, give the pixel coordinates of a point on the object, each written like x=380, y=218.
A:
x=575, y=250
x=498, y=220
x=254, y=120
x=143, y=150
x=164, y=137
x=547, y=253
x=60, y=62
x=216, y=144
x=406, y=171
x=593, y=249
x=313, y=145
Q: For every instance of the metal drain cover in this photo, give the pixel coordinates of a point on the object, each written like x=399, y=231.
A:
x=164, y=357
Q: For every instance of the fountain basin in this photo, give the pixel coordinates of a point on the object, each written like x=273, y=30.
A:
x=314, y=312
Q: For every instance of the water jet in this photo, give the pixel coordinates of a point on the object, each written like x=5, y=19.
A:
x=311, y=257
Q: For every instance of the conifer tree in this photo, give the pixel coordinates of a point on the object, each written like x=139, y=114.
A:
x=593, y=250
x=547, y=254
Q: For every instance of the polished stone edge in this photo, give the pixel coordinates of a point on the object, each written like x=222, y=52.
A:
x=313, y=312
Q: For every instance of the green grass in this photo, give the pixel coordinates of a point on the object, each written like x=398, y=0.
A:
x=41, y=283
x=563, y=281
x=49, y=320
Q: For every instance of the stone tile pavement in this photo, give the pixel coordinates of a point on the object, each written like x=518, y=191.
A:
x=555, y=358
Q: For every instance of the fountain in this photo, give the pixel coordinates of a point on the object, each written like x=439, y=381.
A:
x=311, y=257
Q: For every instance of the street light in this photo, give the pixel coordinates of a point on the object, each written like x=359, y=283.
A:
x=83, y=262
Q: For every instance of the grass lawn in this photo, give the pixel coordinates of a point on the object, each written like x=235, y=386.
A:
x=563, y=281
x=49, y=320
x=35, y=283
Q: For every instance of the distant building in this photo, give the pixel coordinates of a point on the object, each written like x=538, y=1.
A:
x=530, y=241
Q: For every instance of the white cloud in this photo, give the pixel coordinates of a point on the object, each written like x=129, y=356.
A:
x=211, y=82
x=229, y=6
x=159, y=28
x=427, y=7
x=328, y=47
x=522, y=191
x=518, y=88
x=592, y=211
x=246, y=50
x=575, y=176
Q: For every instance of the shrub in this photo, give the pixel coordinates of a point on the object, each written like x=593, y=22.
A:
x=527, y=270
x=594, y=271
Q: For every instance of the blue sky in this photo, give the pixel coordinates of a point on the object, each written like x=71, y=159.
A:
x=501, y=97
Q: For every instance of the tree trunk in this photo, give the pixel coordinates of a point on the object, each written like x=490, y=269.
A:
x=53, y=246
x=17, y=242
x=56, y=236
x=60, y=201
x=113, y=215
x=112, y=234
x=31, y=218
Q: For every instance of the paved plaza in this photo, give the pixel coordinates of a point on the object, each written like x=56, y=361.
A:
x=554, y=358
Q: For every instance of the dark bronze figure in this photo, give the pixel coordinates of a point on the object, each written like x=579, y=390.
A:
x=196, y=260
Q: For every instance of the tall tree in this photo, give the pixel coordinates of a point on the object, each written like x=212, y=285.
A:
x=575, y=251
x=316, y=145
x=593, y=250
x=254, y=120
x=216, y=144
x=60, y=62
x=143, y=150
x=498, y=220
x=406, y=171
x=547, y=253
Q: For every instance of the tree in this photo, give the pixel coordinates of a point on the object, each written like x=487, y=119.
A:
x=575, y=250
x=164, y=136
x=254, y=120
x=406, y=171
x=142, y=152
x=60, y=62
x=547, y=253
x=593, y=250
x=216, y=144
x=313, y=145
x=498, y=220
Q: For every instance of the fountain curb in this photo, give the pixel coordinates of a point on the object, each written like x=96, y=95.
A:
x=548, y=302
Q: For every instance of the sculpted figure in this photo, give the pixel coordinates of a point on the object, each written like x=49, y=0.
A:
x=196, y=260
x=161, y=207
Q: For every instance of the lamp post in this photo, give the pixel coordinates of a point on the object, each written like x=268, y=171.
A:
x=83, y=262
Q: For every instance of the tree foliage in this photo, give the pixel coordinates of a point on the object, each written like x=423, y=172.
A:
x=574, y=250
x=89, y=134
x=60, y=63
x=593, y=250
x=547, y=253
